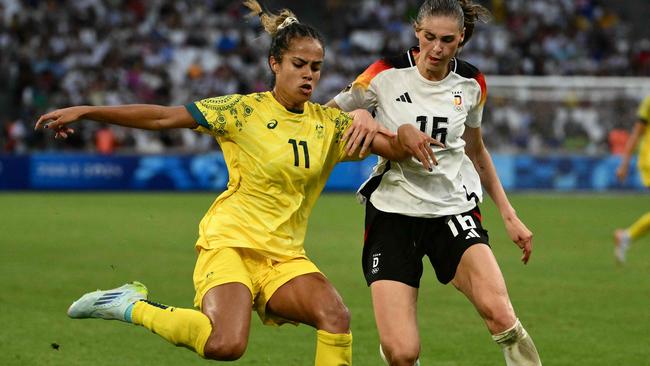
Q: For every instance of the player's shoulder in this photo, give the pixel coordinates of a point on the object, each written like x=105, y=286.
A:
x=256, y=98
x=233, y=99
x=220, y=103
x=471, y=73
x=466, y=69
x=403, y=60
x=325, y=113
x=400, y=61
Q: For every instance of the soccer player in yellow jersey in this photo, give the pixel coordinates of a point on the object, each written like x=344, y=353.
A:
x=623, y=237
x=280, y=148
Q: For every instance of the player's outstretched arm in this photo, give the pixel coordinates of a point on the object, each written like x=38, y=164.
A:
x=476, y=151
x=142, y=116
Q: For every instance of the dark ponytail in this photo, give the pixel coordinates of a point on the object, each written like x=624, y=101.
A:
x=283, y=27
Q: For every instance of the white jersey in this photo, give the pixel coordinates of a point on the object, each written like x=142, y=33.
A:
x=399, y=94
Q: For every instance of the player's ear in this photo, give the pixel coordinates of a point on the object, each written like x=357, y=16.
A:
x=274, y=64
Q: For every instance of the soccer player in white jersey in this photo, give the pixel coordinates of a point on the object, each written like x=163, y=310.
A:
x=412, y=212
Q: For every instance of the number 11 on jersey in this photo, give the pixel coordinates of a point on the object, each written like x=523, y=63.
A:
x=296, y=156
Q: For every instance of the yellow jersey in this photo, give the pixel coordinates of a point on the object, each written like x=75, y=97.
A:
x=644, y=151
x=278, y=163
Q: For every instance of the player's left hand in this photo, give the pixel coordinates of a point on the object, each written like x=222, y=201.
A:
x=521, y=236
x=362, y=132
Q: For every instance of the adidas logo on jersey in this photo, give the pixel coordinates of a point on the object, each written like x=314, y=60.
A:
x=404, y=98
x=472, y=234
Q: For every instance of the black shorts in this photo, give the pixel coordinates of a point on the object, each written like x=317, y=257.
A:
x=395, y=244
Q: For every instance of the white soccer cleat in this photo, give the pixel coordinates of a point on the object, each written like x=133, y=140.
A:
x=621, y=245
x=108, y=304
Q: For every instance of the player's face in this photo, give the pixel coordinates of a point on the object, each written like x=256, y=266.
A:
x=297, y=75
x=440, y=37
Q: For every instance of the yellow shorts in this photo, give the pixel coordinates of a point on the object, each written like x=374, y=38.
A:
x=252, y=268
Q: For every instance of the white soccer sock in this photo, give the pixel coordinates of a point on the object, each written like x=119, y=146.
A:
x=383, y=356
x=518, y=347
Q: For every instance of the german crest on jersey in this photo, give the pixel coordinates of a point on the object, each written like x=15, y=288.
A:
x=458, y=101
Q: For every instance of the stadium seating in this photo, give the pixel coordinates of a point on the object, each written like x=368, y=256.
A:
x=69, y=52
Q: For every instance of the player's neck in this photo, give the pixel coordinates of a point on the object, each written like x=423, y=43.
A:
x=287, y=103
x=434, y=74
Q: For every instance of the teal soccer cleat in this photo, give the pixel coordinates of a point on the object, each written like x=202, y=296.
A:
x=108, y=304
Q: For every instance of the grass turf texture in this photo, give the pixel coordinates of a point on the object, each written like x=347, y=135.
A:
x=578, y=305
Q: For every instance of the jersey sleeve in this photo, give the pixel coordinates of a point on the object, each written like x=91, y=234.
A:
x=220, y=116
x=644, y=110
x=360, y=94
x=475, y=115
x=341, y=122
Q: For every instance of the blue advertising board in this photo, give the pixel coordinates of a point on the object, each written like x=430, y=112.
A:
x=14, y=172
x=209, y=172
x=149, y=172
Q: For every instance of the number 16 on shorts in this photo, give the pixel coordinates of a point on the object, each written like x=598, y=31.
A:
x=466, y=223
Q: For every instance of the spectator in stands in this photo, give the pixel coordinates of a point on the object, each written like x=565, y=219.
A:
x=105, y=141
x=52, y=52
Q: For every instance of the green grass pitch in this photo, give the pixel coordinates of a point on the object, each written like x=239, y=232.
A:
x=580, y=308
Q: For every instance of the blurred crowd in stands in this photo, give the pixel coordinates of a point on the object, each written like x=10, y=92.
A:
x=56, y=53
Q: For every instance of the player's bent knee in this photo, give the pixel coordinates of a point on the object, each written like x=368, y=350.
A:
x=401, y=353
x=221, y=349
x=499, y=317
x=334, y=318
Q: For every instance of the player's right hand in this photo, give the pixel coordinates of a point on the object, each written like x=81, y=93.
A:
x=520, y=235
x=418, y=144
x=58, y=119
